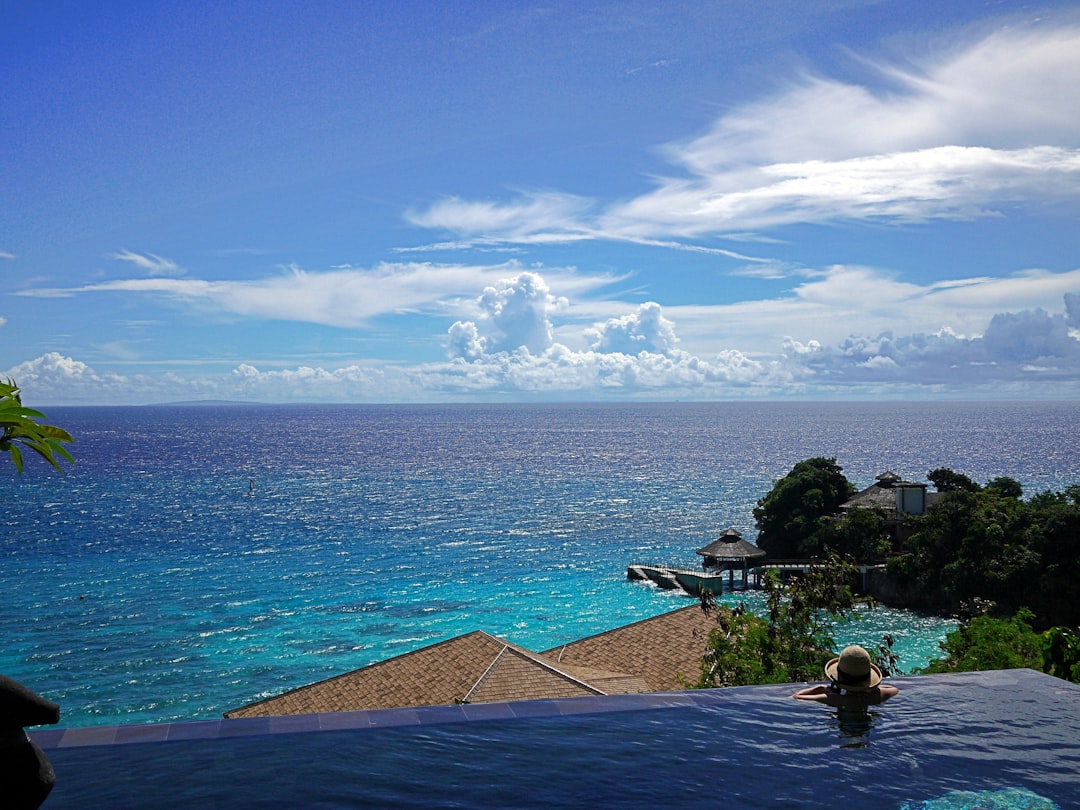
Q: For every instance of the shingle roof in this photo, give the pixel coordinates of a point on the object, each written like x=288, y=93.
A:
x=649, y=655
x=475, y=667
x=665, y=650
x=882, y=494
x=731, y=546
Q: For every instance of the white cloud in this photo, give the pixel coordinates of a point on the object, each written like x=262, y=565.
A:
x=510, y=350
x=56, y=378
x=1072, y=309
x=561, y=214
x=153, y=264
x=845, y=300
x=5, y=255
x=957, y=182
x=991, y=124
x=646, y=330
x=513, y=314
x=347, y=297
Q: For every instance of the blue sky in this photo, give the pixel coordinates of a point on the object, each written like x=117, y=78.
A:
x=383, y=202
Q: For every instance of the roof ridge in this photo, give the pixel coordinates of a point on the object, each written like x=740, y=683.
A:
x=484, y=675
x=546, y=663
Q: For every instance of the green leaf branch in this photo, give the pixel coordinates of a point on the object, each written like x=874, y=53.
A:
x=20, y=427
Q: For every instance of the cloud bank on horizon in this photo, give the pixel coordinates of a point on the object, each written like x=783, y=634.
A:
x=721, y=277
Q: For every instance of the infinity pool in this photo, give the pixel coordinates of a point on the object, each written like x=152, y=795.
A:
x=987, y=740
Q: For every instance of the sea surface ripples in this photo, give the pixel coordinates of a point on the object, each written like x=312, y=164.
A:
x=199, y=558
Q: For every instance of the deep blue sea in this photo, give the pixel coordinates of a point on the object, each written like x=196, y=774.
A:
x=198, y=558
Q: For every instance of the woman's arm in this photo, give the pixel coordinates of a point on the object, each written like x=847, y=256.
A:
x=818, y=693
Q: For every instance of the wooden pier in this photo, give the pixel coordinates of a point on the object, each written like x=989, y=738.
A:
x=694, y=581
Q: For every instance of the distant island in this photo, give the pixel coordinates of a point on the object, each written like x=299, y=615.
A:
x=208, y=403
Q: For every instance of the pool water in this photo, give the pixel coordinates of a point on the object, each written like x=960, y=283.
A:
x=992, y=739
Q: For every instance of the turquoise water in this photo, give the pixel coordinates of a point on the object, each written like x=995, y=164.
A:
x=153, y=582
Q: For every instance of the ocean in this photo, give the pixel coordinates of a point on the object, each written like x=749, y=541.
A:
x=197, y=558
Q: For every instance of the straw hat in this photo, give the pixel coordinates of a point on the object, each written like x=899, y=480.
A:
x=853, y=670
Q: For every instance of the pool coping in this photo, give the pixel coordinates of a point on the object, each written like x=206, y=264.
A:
x=192, y=730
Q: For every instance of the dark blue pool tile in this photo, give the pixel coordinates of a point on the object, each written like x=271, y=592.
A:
x=337, y=721
x=583, y=705
x=384, y=718
x=244, y=727
x=92, y=735
x=48, y=738
x=196, y=730
x=294, y=723
x=705, y=697
x=488, y=711
x=158, y=732
x=534, y=708
x=664, y=700
x=431, y=715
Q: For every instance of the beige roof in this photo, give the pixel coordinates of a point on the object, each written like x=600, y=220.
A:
x=665, y=650
x=882, y=494
x=646, y=656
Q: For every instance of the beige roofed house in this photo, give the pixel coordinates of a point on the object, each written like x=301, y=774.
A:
x=896, y=500
x=652, y=655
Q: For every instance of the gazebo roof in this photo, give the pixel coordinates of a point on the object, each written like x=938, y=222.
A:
x=731, y=546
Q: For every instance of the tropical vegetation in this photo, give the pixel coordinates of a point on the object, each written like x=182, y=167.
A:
x=21, y=429
x=793, y=642
x=1009, y=568
x=989, y=543
x=793, y=517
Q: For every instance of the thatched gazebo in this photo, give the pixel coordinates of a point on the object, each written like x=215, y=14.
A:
x=727, y=551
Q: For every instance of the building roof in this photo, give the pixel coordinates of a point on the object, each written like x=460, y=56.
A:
x=882, y=494
x=647, y=656
x=665, y=650
x=731, y=546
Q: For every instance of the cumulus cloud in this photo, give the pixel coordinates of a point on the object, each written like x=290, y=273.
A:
x=1016, y=348
x=1072, y=309
x=958, y=136
x=54, y=377
x=1032, y=336
x=154, y=265
x=513, y=315
x=646, y=330
x=844, y=299
x=638, y=351
x=509, y=348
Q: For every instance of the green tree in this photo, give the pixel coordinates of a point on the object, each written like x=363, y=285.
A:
x=1061, y=653
x=945, y=480
x=798, y=507
x=861, y=533
x=21, y=429
x=985, y=642
x=1006, y=487
x=793, y=642
x=989, y=544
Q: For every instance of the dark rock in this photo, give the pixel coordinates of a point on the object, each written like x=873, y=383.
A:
x=26, y=776
x=19, y=707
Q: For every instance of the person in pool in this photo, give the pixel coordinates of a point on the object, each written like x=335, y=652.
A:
x=853, y=682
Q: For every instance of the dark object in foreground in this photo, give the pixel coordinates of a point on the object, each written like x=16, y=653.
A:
x=26, y=776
